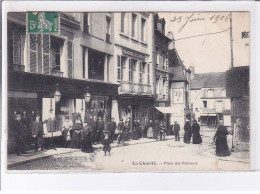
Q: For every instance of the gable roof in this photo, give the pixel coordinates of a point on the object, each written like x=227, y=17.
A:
x=174, y=59
x=177, y=73
x=209, y=80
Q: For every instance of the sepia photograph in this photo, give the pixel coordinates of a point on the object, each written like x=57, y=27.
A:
x=128, y=91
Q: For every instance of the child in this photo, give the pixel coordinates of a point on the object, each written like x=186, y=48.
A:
x=106, y=143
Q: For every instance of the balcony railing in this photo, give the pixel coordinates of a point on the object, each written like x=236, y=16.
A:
x=57, y=73
x=135, y=89
x=15, y=67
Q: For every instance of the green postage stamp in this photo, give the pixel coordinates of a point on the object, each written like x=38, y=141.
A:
x=43, y=22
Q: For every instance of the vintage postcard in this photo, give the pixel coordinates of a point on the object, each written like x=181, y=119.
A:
x=128, y=91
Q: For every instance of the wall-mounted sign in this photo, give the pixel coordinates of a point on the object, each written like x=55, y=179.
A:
x=178, y=96
x=133, y=54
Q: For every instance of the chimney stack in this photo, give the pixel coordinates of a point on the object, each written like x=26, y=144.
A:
x=171, y=37
x=192, y=69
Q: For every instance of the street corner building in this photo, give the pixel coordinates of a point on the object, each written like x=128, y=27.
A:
x=77, y=64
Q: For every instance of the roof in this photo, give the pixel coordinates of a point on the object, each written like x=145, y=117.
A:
x=209, y=80
x=178, y=74
x=174, y=59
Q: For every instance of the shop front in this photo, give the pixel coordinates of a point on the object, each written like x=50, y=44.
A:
x=38, y=93
x=135, y=108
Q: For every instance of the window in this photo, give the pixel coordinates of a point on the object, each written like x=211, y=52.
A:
x=157, y=55
x=86, y=22
x=143, y=30
x=119, y=68
x=132, y=69
x=205, y=104
x=108, y=29
x=56, y=46
x=17, y=47
x=96, y=65
x=124, y=76
x=157, y=87
x=134, y=17
x=164, y=60
x=164, y=89
x=141, y=72
x=123, y=23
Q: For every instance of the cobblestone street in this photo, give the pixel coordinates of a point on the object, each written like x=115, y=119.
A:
x=146, y=155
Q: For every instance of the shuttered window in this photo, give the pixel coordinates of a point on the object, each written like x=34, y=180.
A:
x=33, y=53
x=130, y=71
x=17, y=47
x=70, y=59
x=39, y=53
x=119, y=76
x=148, y=73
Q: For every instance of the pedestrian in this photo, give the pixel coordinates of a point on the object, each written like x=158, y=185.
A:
x=101, y=127
x=135, y=132
x=176, y=129
x=121, y=129
x=221, y=140
x=187, y=132
x=20, y=135
x=111, y=128
x=67, y=126
x=86, y=141
x=75, y=133
x=161, y=130
x=25, y=122
x=195, y=130
x=144, y=125
x=52, y=126
x=95, y=130
x=106, y=143
x=150, y=129
x=37, y=133
x=127, y=130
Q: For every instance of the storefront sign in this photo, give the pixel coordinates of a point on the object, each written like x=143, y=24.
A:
x=16, y=94
x=178, y=96
x=133, y=54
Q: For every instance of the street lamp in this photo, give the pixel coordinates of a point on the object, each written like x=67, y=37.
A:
x=87, y=95
x=57, y=94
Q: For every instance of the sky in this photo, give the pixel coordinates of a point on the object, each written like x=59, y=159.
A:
x=209, y=53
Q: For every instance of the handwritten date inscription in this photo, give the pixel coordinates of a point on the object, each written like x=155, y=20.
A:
x=196, y=17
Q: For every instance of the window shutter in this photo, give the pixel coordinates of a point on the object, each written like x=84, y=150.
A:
x=33, y=52
x=118, y=68
x=70, y=59
x=46, y=53
x=39, y=52
x=17, y=47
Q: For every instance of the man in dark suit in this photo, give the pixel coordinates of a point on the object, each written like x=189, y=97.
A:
x=37, y=132
x=101, y=127
x=20, y=135
x=176, y=128
x=111, y=127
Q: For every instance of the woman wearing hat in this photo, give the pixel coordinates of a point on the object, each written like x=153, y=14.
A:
x=75, y=133
x=86, y=139
x=221, y=140
x=195, y=130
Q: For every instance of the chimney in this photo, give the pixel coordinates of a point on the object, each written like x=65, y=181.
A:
x=192, y=69
x=171, y=37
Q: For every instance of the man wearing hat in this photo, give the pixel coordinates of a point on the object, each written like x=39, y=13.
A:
x=176, y=129
x=111, y=128
x=20, y=135
x=106, y=142
x=121, y=130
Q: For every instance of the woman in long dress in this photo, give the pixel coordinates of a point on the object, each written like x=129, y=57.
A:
x=187, y=132
x=67, y=126
x=195, y=130
x=86, y=139
x=221, y=140
x=150, y=129
x=75, y=133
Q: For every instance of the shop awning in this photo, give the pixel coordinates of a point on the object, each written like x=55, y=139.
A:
x=165, y=110
x=208, y=115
